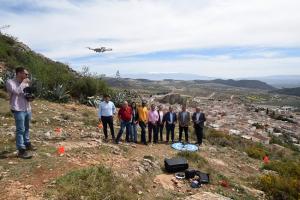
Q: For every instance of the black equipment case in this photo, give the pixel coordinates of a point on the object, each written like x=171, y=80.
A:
x=176, y=164
x=190, y=173
x=204, y=178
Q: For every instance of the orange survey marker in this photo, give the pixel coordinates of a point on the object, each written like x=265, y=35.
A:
x=58, y=131
x=61, y=150
x=100, y=125
x=224, y=183
x=266, y=160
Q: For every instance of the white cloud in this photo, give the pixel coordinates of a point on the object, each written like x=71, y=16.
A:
x=139, y=26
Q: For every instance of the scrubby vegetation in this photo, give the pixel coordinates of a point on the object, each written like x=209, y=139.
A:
x=288, y=91
x=286, y=183
x=92, y=183
x=52, y=80
x=256, y=151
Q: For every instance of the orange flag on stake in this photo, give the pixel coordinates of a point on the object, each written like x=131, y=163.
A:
x=58, y=131
x=266, y=160
x=61, y=150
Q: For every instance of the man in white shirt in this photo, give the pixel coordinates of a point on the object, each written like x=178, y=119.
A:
x=106, y=111
x=21, y=109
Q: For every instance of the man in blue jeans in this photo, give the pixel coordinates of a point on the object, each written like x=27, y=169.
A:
x=21, y=109
x=125, y=116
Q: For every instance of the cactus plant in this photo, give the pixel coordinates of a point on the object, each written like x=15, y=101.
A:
x=93, y=101
x=59, y=94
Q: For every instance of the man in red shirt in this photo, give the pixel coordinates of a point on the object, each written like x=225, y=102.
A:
x=124, y=114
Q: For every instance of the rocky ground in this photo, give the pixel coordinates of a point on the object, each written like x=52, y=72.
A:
x=75, y=128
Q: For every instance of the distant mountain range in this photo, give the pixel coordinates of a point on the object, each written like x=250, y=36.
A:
x=162, y=76
x=279, y=81
x=288, y=91
x=252, y=84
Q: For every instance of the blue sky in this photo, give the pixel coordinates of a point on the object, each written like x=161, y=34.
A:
x=227, y=39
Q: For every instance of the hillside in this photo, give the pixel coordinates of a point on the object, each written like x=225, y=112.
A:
x=254, y=84
x=14, y=53
x=89, y=165
x=247, y=84
x=288, y=91
x=51, y=80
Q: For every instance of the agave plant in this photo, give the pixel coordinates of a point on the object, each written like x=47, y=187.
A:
x=38, y=88
x=93, y=101
x=1, y=82
x=5, y=76
x=59, y=94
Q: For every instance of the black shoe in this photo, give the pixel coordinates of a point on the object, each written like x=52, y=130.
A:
x=30, y=147
x=24, y=154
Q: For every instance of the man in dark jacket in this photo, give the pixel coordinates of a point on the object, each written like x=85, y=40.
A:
x=170, y=118
x=160, y=123
x=198, y=118
x=184, y=121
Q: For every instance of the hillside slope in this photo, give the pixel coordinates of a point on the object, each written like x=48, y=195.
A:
x=288, y=91
x=135, y=170
x=14, y=53
x=51, y=80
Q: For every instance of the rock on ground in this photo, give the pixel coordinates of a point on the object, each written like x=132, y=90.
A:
x=206, y=196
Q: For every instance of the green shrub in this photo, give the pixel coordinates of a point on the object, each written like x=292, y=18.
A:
x=289, y=168
x=218, y=138
x=85, y=86
x=285, y=185
x=280, y=188
x=92, y=183
x=256, y=151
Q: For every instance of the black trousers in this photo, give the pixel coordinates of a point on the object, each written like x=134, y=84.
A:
x=186, y=133
x=143, y=132
x=170, y=129
x=199, y=134
x=160, y=128
x=152, y=127
x=110, y=122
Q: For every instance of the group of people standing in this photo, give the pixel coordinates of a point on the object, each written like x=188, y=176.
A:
x=156, y=120
x=130, y=116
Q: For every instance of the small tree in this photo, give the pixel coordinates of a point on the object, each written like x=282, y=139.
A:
x=118, y=75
